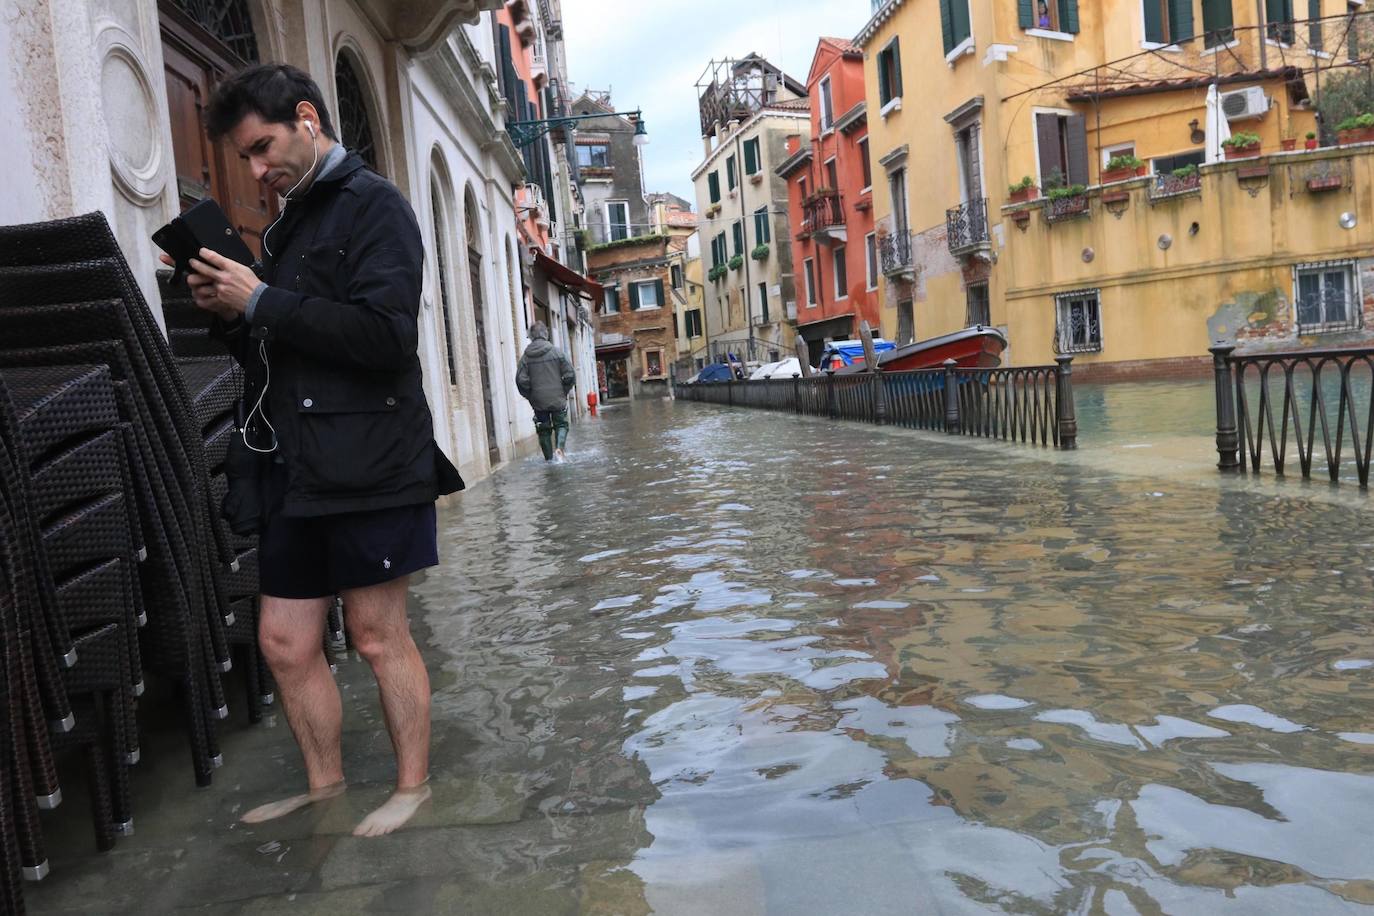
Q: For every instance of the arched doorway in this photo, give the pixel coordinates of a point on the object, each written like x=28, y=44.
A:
x=355, y=111
x=472, y=230
x=202, y=42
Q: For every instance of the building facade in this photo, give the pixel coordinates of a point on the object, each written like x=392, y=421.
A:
x=1141, y=243
x=830, y=203
x=636, y=339
x=748, y=109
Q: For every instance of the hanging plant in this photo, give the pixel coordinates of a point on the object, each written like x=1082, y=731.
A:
x=737, y=262
x=759, y=253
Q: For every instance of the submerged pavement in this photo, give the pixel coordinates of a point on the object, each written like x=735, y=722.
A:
x=731, y=662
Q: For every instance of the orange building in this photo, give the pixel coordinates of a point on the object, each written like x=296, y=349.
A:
x=830, y=202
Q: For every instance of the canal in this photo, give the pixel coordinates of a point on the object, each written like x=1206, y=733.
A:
x=735, y=662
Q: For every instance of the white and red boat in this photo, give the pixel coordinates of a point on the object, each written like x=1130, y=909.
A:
x=977, y=347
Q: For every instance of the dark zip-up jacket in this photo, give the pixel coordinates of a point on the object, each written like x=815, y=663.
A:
x=339, y=321
x=545, y=376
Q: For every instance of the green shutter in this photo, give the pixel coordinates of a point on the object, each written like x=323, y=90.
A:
x=1068, y=16
x=713, y=181
x=730, y=179
x=1154, y=22
x=751, y=164
x=1025, y=13
x=658, y=285
x=1217, y=21
x=634, y=296
x=897, y=67
x=963, y=27
x=947, y=24
x=1180, y=20
x=738, y=229
x=1314, y=14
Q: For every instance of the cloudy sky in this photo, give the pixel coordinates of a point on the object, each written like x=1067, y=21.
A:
x=650, y=54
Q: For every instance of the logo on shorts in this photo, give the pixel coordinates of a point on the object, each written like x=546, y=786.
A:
x=386, y=563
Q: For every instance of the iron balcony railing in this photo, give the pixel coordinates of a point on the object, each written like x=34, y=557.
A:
x=896, y=252
x=1169, y=185
x=824, y=210
x=966, y=226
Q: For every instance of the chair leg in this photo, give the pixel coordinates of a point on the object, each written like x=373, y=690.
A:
x=252, y=679
x=102, y=814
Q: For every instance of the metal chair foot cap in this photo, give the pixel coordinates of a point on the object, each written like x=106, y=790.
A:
x=227, y=665
x=142, y=619
x=229, y=620
x=48, y=802
x=133, y=757
x=217, y=761
x=69, y=659
x=234, y=566
x=139, y=688
x=222, y=712
x=268, y=699
x=66, y=724
x=125, y=829
x=142, y=554
x=36, y=872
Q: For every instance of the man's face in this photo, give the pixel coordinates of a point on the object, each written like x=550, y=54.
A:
x=280, y=154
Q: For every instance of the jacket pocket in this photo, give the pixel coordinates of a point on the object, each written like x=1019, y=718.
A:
x=325, y=266
x=351, y=437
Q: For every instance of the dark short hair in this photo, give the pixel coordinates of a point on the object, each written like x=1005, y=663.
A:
x=270, y=91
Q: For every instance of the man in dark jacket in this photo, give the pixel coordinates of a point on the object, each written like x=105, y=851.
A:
x=544, y=378
x=349, y=470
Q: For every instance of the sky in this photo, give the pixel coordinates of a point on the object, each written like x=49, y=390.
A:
x=651, y=53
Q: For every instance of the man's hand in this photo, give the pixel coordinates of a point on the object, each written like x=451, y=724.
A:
x=203, y=290
x=221, y=285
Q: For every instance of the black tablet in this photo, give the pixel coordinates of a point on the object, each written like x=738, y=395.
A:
x=202, y=226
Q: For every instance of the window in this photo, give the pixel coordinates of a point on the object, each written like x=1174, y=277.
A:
x=1111, y=152
x=954, y=23
x=731, y=179
x=867, y=166
x=753, y=163
x=646, y=294
x=871, y=259
x=890, y=74
x=763, y=303
x=617, y=220
x=594, y=156
x=810, y=283
x=713, y=183
x=832, y=174
x=653, y=364
x=1168, y=22
x=1049, y=15
x=906, y=322
x=611, y=300
x=827, y=105
x=762, y=234
x=979, y=309
x=676, y=274
x=1279, y=15
x=801, y=187
x=1314, y=25
x=692, y=320
x=1061, y=142
x=1327, y=297
x=1078, y=322
x=719, y=253
x=841, y=274
x=1216, y=23
x=738, y=230
x=896, y=182
x=1165, y=165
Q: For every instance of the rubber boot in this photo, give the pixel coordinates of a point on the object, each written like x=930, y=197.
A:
x=545, y=441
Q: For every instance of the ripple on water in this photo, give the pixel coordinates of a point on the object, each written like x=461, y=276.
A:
x=1253, y=715
x=996, y=701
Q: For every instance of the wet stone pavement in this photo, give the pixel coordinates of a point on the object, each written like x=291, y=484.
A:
x=730, y=662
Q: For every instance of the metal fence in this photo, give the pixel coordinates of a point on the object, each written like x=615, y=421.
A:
x=1276, y=403
x=1032, y=404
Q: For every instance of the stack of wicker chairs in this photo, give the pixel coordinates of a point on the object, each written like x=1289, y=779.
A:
x=113, y=558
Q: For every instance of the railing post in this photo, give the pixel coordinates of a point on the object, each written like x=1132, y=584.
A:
x=830, y=392
x=1067, y=417
x=796, y=394
x=951, y=398
x=730, y=392
x=1228, y=437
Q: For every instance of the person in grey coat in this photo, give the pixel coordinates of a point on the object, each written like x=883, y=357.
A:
x=544, y=378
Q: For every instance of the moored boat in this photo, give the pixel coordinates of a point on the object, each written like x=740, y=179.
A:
x=977, y=347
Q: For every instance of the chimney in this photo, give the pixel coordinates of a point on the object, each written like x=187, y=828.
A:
x=793, y=143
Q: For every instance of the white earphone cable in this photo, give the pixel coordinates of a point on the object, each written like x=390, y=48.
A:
x=314, y=160
x=257, y=408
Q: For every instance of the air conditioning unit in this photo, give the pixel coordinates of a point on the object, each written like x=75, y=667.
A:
x=1245, y=103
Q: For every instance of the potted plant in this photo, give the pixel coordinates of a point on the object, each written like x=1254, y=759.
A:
x=1311, y=141
x=737, y=262
x=756, y=178
x=716, y=272
x=1022, y=191
x=1356, y=129
x=1288, y=144
x=1068, y=200
x=759, y=253
x=1241, y=145
x=1122, y=168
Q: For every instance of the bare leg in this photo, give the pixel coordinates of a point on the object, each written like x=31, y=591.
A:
x=376, y=619
x=291, y=633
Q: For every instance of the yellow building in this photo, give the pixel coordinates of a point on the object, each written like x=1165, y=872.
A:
x=1137, y=270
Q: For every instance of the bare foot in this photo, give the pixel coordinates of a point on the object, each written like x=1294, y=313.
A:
x=276, y=809
x=394, y=812
x=558, y=456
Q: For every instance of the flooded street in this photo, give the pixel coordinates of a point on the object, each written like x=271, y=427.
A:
x=735, y=662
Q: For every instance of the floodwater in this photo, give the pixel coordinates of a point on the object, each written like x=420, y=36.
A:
x=734, y=662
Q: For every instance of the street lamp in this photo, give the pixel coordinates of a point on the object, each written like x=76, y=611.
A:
x=523, y=133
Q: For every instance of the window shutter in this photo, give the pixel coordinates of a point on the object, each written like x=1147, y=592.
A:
x=1217, y=19
x=884, y=90
x=1068, y=16
x=963, y=27
x=1047, y=138
x=897, y=67
x=1025, y=13
x=1274, y=11
x=1314, y=13
x=658, y=285
x=713, y=183
x=1076, y=130
x=947, y=24
x=634, y=296
x=1180, y=20
x=750, y=165
x=738, y=229
x=1154, y=22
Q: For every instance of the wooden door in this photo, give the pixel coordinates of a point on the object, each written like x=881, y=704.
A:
x=479, y=319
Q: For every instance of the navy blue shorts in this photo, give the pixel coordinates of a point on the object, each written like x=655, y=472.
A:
x=320, y=557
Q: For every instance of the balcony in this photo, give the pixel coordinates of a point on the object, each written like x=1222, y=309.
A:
x=896, y=253
x=966, y=226
x=823, y=213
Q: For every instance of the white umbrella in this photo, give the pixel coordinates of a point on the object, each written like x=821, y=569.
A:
x=1218, y=128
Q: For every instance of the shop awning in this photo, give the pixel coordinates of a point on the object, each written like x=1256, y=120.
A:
x=839, y=327
x=566, y=277
x=614, y=350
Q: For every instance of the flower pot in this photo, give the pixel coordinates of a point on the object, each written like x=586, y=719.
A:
x=1021, y=218
x=756, y=179
x=1288, y=145
x=1358, y=135
x=1310, y=144
x=1242, y=152
x=1025, y=194
x=1324, y=183
x=1123, y=174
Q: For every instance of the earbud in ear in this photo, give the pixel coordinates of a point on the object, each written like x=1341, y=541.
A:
x=310, y=127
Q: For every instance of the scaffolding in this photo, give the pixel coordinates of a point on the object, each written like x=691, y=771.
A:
x=733, y=89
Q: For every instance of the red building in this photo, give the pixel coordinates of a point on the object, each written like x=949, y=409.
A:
x=830, y=202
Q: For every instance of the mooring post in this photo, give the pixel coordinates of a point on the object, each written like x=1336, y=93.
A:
x=796, y=393
x=871, y=364
x=830, y=392
x=1067, y=418
x=1228, y=437
x=951, y=398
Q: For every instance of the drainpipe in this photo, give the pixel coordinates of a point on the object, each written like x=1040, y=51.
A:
x=748, y=279
x=1259, y=17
